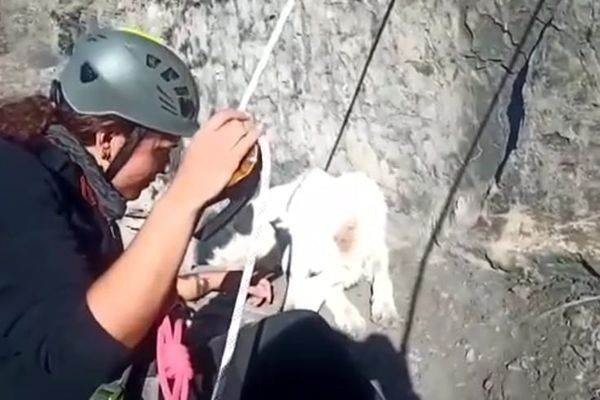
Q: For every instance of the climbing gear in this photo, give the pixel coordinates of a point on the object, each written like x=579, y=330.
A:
x=173, y=360
x=111, y=202
x=237, y=195
x=259, y=176
x=124, y=154
x=361, y=79
x=97, y=233
x=258, y=162
x=236, y=317
x=113, y=390
x=131, y=75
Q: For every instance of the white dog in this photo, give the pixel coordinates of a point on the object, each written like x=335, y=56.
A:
x=337, y=227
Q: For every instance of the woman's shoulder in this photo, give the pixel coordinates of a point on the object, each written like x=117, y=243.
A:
x=23, y=174
x=16, y=160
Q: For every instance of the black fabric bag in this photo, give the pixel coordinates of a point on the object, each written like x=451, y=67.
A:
x=291, y=355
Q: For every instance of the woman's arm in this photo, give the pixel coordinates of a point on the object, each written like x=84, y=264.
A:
x=194, y=286
x=128, y=298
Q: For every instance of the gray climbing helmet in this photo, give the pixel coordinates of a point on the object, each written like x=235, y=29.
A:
x=132, y=75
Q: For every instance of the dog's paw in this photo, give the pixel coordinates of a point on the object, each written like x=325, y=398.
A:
x=384, y=313
x=353, y=324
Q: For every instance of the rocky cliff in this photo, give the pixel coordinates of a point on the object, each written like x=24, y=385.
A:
x=477, y=118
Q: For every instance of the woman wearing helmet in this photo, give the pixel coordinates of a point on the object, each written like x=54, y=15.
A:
x=75, y=307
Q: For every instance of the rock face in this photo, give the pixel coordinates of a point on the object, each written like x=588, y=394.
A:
x=496, y=103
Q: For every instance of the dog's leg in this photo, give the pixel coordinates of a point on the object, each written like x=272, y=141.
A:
x=345, y=314
x=383, y=308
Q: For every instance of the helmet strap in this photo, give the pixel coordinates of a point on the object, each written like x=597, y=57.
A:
x=56, y=92
x=125, y=153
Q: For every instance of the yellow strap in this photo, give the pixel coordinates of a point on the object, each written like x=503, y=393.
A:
x=145, y=35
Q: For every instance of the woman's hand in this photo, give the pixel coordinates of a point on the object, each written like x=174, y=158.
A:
x=213, y=156
x=193, y=287
x=260, y=293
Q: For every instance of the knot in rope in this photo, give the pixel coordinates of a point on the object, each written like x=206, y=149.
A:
x=173, y=361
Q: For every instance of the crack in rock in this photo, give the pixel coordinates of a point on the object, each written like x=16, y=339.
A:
x=588, y=39
x=587, y=266
x=466, y=25
x=494, y=265
x=477, y=57
x=515, y=114
x=502, y=27
x=471, y=36
x=551, y=24
x=516, y=108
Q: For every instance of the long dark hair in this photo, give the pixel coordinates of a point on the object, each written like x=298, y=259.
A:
x=26, y=119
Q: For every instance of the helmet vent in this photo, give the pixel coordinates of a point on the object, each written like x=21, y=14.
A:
x=152, y=61
x=87, y=73
x=162, y=91
x=166, y=101
x=168, y=110
x=182, y=91
x=169, y=74
x=186, y=107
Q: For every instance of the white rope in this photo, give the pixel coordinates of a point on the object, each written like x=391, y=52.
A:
x=285, y=12
x=238, y=309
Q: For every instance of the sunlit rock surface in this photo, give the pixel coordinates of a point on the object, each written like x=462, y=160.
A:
x=519, y=78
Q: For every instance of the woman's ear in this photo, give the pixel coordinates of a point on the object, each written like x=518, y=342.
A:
x=103, y=144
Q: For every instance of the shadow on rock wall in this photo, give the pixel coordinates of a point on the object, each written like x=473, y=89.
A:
x=528, y=204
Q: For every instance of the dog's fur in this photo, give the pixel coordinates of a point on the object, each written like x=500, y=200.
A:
x=337, y=227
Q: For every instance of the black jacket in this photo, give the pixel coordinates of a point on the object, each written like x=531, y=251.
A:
x=53, y=245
